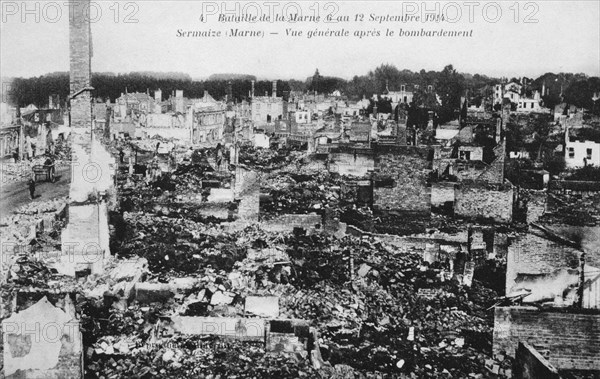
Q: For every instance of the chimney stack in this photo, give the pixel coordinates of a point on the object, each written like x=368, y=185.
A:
x=274, y=93
x=229, y=91
x=252, y=90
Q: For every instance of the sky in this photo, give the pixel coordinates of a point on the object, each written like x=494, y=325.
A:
x=504, y=38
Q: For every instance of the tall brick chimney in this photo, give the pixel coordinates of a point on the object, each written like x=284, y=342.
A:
x=252, y=90
x=85, y=240
x=274, y=93
x=80, y=42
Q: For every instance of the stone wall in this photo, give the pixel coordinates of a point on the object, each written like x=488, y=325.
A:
x=468, y=170
x=409, y=168
x=84, y=241
x=483, y=201
x=570, y=341
x=536, y=205
x=495, y=172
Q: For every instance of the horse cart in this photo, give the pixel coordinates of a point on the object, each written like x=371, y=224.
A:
x=44, y=173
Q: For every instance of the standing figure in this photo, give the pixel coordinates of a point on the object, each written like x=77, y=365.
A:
x=31, y=185
x=219, y=156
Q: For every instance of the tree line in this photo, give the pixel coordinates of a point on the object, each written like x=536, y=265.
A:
x=449, y=85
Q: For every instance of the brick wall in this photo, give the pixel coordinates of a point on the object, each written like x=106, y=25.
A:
x=530, y=364
x=409, y=167
x=570, y=341
x=481, y=201
x=534, y=254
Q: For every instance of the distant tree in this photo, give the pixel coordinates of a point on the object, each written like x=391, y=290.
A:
x=450, y=86
x=542, y=127
x=554, y=164
x=580, y=92
x=316, y=81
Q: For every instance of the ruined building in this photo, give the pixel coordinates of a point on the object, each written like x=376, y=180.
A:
x=266, y=109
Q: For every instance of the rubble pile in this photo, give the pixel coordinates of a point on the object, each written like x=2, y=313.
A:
x=21, y=226
x=15, y=172
x=179, y=193
x=268, y=159
x=194, y=176
x=400, y=224
x=293, y=193
x=377, y=308
x=197, y=357
x=175, y=247
x=371, y=320
x=30, y=239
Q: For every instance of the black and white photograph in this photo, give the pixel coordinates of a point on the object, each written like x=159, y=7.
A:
x=300, y=189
